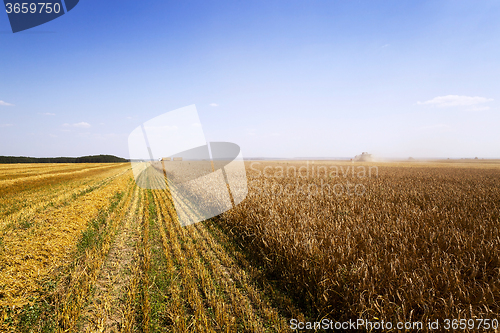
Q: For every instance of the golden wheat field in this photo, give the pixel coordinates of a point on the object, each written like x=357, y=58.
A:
x=84, y=249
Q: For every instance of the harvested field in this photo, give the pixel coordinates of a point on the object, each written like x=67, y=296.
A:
x=107, y=256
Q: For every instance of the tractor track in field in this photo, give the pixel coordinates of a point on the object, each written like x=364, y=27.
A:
x=107, y=311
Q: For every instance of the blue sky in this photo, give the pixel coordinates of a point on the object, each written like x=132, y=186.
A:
x=280, y=78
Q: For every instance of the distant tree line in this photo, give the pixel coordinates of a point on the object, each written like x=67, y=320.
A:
x=83, y=159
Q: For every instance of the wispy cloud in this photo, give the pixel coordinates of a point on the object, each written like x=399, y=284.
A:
x=214, y=104
x=82, y=125
x=455, y=100
x=78, y=125
x=6, y=125
x=2, y=103
x=47, y=114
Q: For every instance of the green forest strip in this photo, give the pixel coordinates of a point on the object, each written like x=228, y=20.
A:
x=83, y=159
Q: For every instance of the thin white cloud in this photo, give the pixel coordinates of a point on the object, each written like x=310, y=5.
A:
x=47, y=114
x=6, y=125
x=196, y=125
x=5, y=103
x=82, y=125
x=78, y=125
x=455, y=100
x=214, y=104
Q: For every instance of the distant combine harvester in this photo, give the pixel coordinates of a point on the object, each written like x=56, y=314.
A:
x=364, y=157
